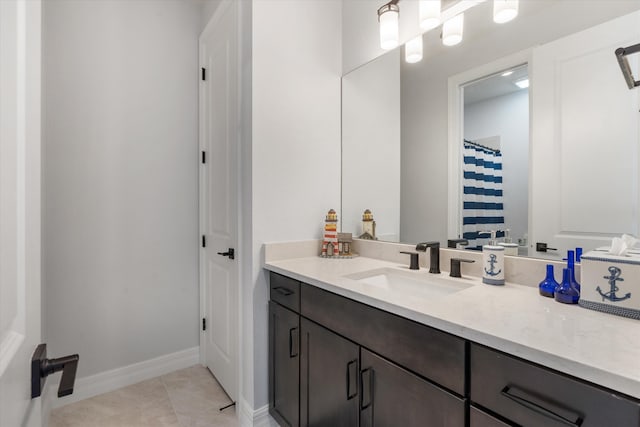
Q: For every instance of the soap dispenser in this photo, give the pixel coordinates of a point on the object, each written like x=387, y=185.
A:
x=493, y=262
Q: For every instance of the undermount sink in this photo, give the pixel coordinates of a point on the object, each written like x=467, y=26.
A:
x=419, y=283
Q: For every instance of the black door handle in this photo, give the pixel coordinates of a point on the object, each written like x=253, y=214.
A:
x=294, y=342
x=230, y=253
x=352, y=379
x=41, y=368
x=519, y=396
x=366, y=383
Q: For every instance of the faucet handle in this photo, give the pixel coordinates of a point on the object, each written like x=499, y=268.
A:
x=455, y=266
x=453, y=243
x=414, y=265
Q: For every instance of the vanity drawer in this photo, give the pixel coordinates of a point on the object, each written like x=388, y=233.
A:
x=428, y=352
x=285, y=291
x=530, y=395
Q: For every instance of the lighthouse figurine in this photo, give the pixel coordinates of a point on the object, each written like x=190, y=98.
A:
x=330, y=237
x=368, y=226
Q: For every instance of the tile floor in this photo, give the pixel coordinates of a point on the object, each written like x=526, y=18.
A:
x=187, y=398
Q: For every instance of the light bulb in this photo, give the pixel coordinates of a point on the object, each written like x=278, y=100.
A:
x=413, y=50
x=452, y=30
x=388, y=17
x=429, y=14
x=504, y=10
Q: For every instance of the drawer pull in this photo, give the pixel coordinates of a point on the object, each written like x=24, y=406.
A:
x=510, y=393
x=294, y=342
x=352, y=379
x=366, y=397
x=283, y=291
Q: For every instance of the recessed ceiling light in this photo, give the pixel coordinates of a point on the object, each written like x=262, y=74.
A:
x=507, y=73
x=522, y=84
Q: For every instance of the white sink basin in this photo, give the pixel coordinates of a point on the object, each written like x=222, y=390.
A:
x=418, y=283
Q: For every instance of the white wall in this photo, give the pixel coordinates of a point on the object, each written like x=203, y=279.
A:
x=508, y=117
x=120, y=267
x=370, y=143
x=295, y=138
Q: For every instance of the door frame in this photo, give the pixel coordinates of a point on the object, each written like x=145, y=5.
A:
x=202, y=111
x=456, y=85
x=23, y=130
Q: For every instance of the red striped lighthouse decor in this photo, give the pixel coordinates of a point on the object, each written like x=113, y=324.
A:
x=330, y=237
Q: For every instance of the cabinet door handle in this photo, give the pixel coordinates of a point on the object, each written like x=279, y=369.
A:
x=294, y=342
x=366, y=397
x=512, y=392
x=283, y=291
x=352, y=379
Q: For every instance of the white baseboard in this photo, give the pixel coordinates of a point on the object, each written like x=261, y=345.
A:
x=114, y=379
x=255, y=418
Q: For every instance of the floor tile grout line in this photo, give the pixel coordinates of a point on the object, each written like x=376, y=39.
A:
x=173, y=408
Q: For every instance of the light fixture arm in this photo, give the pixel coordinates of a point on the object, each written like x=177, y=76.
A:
x=621, y=54
x=392, y=5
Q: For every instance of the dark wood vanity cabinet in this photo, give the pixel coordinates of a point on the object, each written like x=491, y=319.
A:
x=530, y=395
x=284, y=365
x=336, y=362
x=329, y=367
x=339, y=363
x=393, y=396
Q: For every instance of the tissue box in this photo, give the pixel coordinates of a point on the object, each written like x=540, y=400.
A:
x=610, y=283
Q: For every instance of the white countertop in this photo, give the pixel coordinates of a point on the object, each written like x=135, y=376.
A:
x=598, y=347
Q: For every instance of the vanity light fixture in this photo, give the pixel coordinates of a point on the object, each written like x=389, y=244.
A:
x=452, y=30
x=413, y=50
x=429, y=14
x=522, y=84
x=388, y=19
x=504, y=10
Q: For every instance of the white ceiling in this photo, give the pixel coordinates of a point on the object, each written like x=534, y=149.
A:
x=493, y=86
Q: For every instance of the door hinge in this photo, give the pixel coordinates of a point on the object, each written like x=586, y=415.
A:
x=204, y=157
x=204, y=74
x=204, y=241
x=204, y=324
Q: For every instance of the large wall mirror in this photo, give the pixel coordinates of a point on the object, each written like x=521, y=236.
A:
x=567, y=145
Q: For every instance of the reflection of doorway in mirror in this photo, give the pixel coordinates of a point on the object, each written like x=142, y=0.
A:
x=496, y=119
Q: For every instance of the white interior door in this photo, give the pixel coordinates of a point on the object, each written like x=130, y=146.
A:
x=584, y=139
x=19, y=209
x=218, y=195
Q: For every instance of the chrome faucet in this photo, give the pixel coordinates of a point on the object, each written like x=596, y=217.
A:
x=434, y=255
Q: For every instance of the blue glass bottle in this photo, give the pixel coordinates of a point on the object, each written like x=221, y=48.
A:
x=566, y=293
x=572, y=266
x=548, y=286
x=578, y=254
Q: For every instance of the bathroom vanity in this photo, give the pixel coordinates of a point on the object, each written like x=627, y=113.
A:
x=344, y=352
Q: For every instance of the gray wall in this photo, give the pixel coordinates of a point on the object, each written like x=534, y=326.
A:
x=120, y=258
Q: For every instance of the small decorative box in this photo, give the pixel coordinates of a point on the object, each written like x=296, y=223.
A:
x=610, y=283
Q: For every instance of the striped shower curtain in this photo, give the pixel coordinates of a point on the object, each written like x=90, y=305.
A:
x=483, y=208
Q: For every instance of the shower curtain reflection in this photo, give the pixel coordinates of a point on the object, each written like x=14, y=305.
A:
x=482, y=203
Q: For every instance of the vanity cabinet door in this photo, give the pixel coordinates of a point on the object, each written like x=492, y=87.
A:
x=284, y=365
x=392, y=396
x=329, y=378
x=480, y=418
